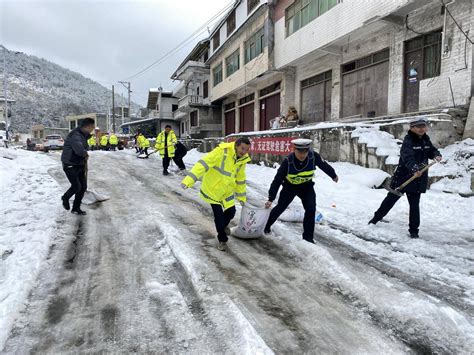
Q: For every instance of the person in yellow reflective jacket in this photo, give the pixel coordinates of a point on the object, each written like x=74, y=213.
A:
x=165, y=144
x=104, y=142
x=223, y=180
x=92, y=143
x=113, y=140
x=146, y=145
x=139, y=143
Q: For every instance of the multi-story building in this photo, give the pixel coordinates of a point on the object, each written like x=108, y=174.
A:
x=374, y=58
x=198, y=117
x=161, y=106
x=242, y=79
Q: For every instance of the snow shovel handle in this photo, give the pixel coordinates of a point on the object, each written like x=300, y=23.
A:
x=414, y=176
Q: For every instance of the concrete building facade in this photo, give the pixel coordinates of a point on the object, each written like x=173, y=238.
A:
x=374, y=59
x=242, y=80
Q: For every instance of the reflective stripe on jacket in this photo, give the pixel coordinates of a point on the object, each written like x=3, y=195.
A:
x=223, y=176
x=104, y=140
x=297, y=176
x=161, y=144
x=113, y=139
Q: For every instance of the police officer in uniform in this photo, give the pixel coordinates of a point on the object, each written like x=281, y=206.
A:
x=414, y=154
x=296, y=175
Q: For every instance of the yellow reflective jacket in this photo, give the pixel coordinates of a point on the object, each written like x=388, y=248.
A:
x=104, y=140
x=146, y=143
x=91, y=141
x=223, y=176
x=113, y=139
x=161, y=144
x=140, y=140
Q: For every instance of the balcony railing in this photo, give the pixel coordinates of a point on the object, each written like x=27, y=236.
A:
x=189, y=100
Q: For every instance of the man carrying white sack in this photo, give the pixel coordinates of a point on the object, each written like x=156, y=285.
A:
x=296, y=175
x=223, y=181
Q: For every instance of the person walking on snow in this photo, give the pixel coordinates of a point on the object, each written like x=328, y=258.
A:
x=296, y=174
x=414, y=154
x=113, y=140
x=165, y=144
x=223, y=180
x=104, y=142
x=74, y=159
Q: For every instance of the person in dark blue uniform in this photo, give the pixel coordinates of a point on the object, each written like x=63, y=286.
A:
x=296, y=175
x=414, y=154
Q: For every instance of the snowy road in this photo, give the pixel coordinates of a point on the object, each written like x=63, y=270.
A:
x=140, y=273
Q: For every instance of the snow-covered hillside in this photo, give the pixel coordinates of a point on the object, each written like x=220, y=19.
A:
x=46, y=92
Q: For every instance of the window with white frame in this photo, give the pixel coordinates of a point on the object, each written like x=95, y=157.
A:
x=254, y=45
x=302, y=12
x=232, y=63
x=217, y=75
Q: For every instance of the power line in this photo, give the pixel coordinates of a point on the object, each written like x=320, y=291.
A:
x=457, y=24
x=183, y=43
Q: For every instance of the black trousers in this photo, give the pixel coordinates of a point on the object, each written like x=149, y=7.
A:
x=308, y=197
x=178, y=161
x=76, y=174
x=113, y=147
x=389, y=202
x=222, y=219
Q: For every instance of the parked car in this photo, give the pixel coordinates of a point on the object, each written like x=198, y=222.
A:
x=53, y=141
x=37, y=144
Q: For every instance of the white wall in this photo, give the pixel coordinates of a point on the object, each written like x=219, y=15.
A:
x=337, y=22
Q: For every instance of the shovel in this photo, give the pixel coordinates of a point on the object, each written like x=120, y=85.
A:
x=90, y=196
x=144, y=156
x=397, y=191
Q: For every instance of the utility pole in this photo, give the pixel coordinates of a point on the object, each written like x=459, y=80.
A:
x=128, y=87
x=113, y=109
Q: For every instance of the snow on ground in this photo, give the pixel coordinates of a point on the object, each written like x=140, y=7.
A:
x=28, y=219
x=367, y=265
x=458, y=160
x=385, y=143
x=443, y=254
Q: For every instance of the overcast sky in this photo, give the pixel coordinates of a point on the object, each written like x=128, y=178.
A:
x=107, y=40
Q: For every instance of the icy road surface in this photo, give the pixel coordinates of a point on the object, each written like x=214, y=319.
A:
x=140, y=273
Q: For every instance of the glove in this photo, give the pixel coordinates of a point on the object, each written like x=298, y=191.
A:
x=268, y=204
x=242, y=203
x=184, y=187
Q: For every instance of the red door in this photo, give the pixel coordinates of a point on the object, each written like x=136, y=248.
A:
x=246, y=118
x=229, y=122
x=269, y=109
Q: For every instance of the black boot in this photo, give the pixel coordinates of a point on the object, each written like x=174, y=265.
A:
x=414, y=235
x=372, y=221
x=165, y=173
x=65, y=203
x=78, y=211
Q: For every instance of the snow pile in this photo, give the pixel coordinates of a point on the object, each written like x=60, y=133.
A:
x=458, y=160
x=385, y=143
x=28, y=210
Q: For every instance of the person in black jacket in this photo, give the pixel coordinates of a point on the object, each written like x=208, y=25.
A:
x=414, y=154
x=296, y=175
x=74, y=159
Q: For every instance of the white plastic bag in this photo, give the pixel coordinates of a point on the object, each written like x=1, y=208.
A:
x=297, y=215
x=252, y=222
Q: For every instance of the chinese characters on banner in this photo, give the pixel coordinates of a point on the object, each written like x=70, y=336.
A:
x=271, y=145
